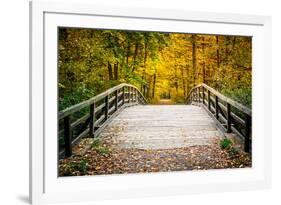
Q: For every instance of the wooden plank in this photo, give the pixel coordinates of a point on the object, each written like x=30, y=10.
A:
x=163, y=126
x=98, y=121
x=120, y=103
x=120, y=94
x=80, y=136
x=111, y=99
x=80, y=120
x=111, y=110
x=100, y=107
x=238, y=119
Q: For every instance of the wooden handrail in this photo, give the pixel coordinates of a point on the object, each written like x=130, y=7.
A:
x=101, y=107
x=228, y=114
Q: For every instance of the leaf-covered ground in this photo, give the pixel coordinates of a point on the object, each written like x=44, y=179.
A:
x=96, y=158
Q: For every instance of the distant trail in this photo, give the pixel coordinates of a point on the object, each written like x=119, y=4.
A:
x=165, y=102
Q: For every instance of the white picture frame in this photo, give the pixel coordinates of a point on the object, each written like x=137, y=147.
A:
x=46, y=187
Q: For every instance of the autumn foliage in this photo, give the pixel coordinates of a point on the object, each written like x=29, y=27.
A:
x=162, y=65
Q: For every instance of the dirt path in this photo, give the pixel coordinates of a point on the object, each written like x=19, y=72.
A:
x=165, y=102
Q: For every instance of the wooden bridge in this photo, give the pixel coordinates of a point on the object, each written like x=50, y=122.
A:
x=132, y=123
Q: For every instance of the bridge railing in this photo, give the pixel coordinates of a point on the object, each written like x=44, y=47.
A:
x=228, y=114
x=89, y=117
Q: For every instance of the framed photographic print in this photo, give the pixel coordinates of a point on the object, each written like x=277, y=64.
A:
x=130, y=102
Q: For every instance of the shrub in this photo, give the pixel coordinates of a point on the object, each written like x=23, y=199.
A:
x=225, y=143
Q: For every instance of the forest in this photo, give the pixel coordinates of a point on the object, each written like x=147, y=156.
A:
x=161, y=65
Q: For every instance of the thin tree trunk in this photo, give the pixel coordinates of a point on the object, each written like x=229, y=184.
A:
x=154, y=83
x=110, y=74
x=115, y=71
x=135, y=56
x=144, y=62
x=183, y=82
x=218, y=60
x=128, y=53
x=187, y=79
x=204, y=63
x=193, y=39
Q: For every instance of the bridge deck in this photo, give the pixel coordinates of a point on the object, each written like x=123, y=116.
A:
x=161, y=127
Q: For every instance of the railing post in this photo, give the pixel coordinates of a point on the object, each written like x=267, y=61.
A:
x=67, y=137
x=123, y=95
x=133, y=94
x=116, y=100
x=209, y=100
x=228, y=109
x=247, y=133
x=217, y=107
x=106, y=107
x=203, y=90
x=92, y=118
x=129, y=94
x=137, y=96
x=198, y=90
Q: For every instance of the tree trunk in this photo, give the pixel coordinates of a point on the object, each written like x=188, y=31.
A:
x=218, y=52
x=204, y=63
x=183, y=82
x=154, y=83
x=144, y=63
x=187, y=79
x=204, y=72
x=135, y=56
x=128, y=53
x=218, y=61
x=115, y=71
x=193, y=39
x=110, y=74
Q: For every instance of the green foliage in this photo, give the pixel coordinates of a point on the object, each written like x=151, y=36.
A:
x=241, y=95
x=225, y=143
x=77, y=95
